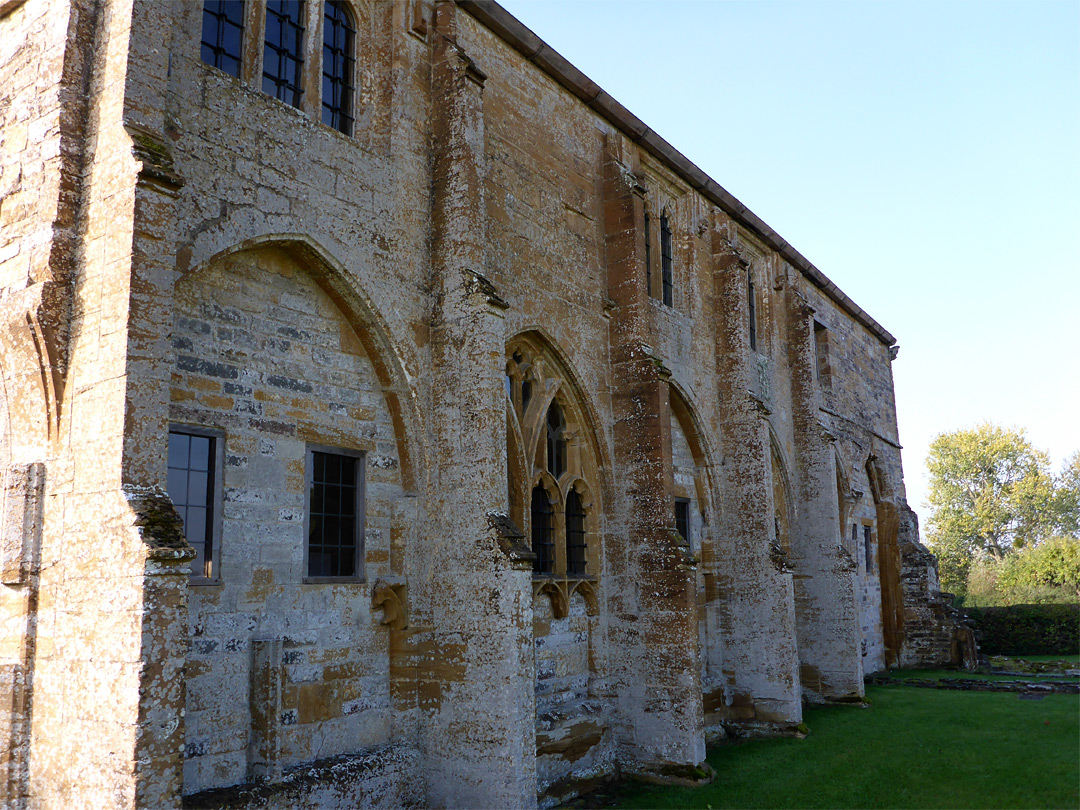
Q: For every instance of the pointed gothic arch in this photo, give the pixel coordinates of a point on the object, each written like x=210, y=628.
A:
x=356, y=306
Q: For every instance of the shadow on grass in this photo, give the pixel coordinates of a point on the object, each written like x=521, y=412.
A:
x=912, y=748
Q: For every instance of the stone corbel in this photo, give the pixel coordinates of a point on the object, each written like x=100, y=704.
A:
x=729, y=257
x=480, y=285
x=803, y=306
x=157, y=168
x=826, y=431
x=657, y=361
x=392, y=597
x=512, y=541
x=760, y=405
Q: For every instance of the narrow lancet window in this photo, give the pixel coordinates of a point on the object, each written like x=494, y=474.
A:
x=666, y=272
x=648, y=255
x=283, y=57
x=575, y=535
x=751, y=307
x=556, y=441
x=339, y=67
x=543, y=544
x=682, y=518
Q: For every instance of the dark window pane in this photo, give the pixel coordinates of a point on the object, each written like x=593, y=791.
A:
x=338, y=60
x=198, y=488
x=575, y=534
x=234, y=11
x=682, y=518
x=333, y=527
x=200, y=453
x=178, y=450
x=195, y=524
x=222, y=32
x=190, y=483
x=542, y=536
x=177, y=486
x=283, y=51
x=666, y=271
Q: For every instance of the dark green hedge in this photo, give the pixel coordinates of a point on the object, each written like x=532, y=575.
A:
x=1027, y=629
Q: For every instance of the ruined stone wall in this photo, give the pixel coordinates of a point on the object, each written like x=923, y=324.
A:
x=218, y=259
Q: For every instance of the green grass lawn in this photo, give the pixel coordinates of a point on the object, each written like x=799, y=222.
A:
x=1071, y=658
x=959, y=674
x=917, y=748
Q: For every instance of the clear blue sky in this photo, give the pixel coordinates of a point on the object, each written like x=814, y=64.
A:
x=924, y=155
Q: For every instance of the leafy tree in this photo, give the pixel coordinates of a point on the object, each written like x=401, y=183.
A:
x=991, y=492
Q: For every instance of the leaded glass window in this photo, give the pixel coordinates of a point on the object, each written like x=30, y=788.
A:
x=223, y=34
x=543, y=530
x=191, y=486
x=339, y=67
x=335, y=514
x=666, y=270
x=575, y=534
x=283, y=56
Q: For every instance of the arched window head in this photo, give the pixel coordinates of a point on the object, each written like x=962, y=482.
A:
x=543, y=532
x=283, y=56
x=556, y=441
x=575, y=535
x=339, y=66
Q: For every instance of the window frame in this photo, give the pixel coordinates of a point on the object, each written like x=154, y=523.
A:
x=219, y=49
x=648, y=254
x=301, y=58
x=751, y=308
x=359, y=456
x=216, y=487
x=535, y=542
x=571, y=557
x=558, y=449
x=685, y=504
x=667, y=262
x=868, y=547
x=347, y=79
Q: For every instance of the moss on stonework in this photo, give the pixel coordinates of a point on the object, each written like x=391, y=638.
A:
x=150, y=149
x=158, y=521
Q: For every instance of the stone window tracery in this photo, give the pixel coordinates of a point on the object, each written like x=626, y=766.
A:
x=551, y=469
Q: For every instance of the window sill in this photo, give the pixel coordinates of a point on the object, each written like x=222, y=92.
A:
x=334, y=580
x=204, y=582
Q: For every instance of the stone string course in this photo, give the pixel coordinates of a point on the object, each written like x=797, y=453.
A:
x=178, y=249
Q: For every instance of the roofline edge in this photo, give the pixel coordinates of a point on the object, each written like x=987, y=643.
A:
x=522, y=39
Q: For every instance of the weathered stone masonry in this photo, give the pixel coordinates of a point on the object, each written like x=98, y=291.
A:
x=629, y=472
